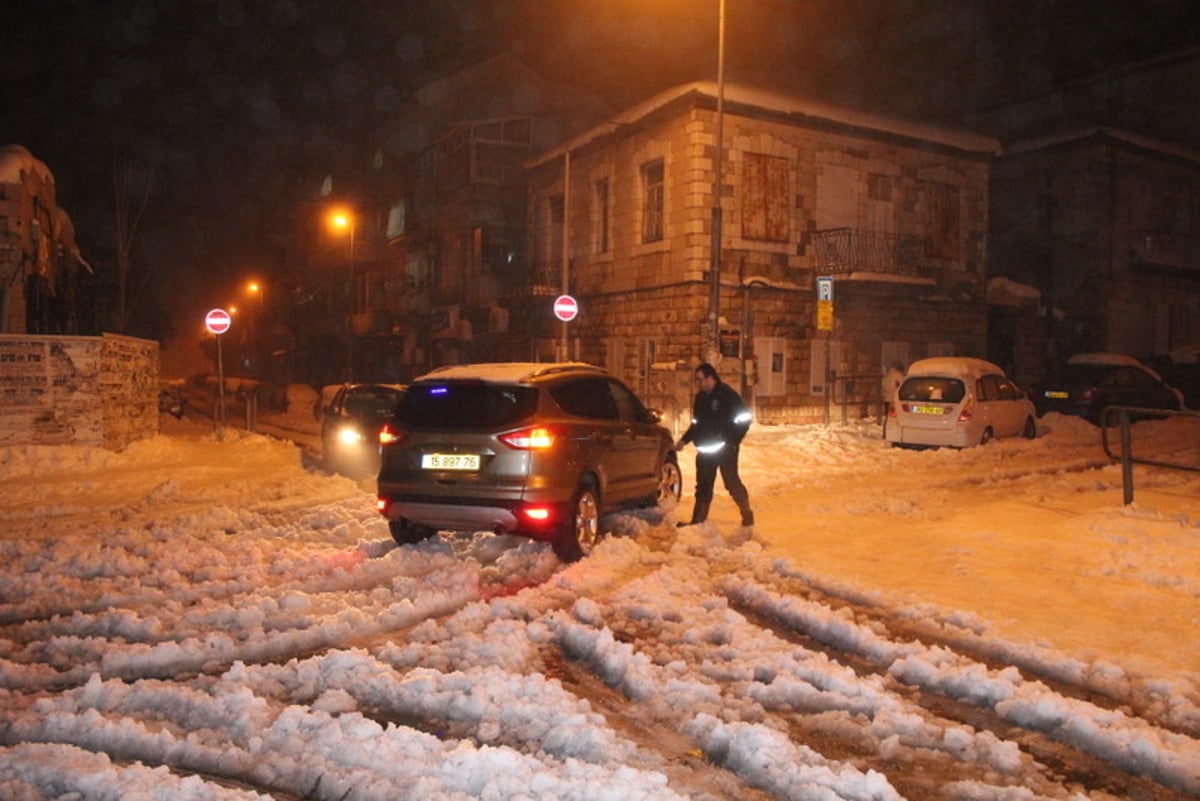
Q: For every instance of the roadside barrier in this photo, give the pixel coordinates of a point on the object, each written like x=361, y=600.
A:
x=1125, y=416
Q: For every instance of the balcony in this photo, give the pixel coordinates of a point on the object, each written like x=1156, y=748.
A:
x=1164, y=251
x=842, y=251
x=543, y=280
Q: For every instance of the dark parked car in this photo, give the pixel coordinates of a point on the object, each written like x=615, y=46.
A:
x=350, y=424
x=539, y=450
x=1090, y=382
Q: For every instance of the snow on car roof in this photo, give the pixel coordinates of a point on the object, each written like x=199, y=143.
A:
x=1113, y=360
x=952, y=365
x=502, y=371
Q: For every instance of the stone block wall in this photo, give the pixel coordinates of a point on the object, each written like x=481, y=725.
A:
x=58, y=390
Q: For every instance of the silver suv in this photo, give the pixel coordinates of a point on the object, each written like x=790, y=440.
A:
x=539, y=450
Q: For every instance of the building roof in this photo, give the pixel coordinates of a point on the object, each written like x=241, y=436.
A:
x=747, y=99
x=498, y=87
x=1084, y=135
x=15, y=159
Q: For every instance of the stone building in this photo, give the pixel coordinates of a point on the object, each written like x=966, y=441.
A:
x=439, y=270
x=1106, y=226
x=39, y=260
x=894, y=213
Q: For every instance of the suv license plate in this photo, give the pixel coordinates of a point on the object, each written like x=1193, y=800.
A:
x=450, y=461
x=927, y=410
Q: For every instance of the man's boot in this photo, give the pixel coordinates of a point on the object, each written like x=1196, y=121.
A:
x=747, y=512
x=699, y=514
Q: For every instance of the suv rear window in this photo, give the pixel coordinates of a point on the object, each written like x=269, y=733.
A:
x=932, y=388
x=466, y=405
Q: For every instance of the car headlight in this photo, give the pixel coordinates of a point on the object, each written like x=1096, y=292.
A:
x=349, y=436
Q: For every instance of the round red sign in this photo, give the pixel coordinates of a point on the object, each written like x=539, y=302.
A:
x=218, y=321
x=565, y=308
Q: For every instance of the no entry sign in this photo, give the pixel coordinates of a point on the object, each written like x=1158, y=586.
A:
x=217, y=321
x=565, y=308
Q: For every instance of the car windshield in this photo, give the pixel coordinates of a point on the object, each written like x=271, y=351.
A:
x=1084, y=375
x=932, y=388
x=470, y=405
x=378, y=402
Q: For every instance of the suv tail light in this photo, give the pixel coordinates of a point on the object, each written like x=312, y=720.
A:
x=529, y=439
x=965, y=415
x=388, y=435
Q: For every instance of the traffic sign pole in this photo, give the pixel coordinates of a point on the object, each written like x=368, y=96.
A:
x=566, y=308
x=218, y=321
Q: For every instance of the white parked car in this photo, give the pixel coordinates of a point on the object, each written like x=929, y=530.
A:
x=957, y=401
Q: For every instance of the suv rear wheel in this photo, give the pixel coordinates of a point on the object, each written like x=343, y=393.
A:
x=581, y=530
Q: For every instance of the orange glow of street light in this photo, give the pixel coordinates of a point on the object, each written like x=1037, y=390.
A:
x=255, y=288
x=342, y=220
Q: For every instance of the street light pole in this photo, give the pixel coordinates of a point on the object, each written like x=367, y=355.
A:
x=350, y=314
x=346, y=220
x=714, y=265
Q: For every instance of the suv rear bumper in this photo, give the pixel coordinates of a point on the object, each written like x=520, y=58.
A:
x=505, y=517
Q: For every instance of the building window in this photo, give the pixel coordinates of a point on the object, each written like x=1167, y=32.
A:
x=602, y=215
x=879, y=187
x=941, y=220
x=395, y=223
x=653, y=197
x=552, y=232
x=765, y=208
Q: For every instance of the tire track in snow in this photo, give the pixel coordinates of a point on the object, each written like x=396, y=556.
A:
x=986, y=696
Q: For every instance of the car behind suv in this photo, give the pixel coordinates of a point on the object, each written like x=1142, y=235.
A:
x=350, y=425
x=539, y=450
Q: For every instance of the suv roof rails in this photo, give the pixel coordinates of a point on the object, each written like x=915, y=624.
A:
x=509, y=371
x=567, y=367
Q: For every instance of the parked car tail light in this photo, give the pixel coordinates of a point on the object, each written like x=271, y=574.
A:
x=1089, y=395
x=891, y=409
x=537, y=514
x=389, y=435
x=382, y=505
x=965, y=415
x=529, y=439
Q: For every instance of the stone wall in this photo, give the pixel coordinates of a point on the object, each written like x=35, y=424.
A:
x=58, y=390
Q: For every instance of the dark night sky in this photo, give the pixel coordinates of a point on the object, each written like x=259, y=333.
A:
x=240, y=105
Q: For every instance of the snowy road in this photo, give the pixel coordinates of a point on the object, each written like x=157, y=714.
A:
x=203, y=619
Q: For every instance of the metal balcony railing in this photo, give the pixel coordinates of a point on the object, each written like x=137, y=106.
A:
x=1164, y=250
x=841, y=251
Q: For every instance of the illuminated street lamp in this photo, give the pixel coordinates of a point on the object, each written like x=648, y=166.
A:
x=344, y=221
x=255, y=288
x=714, y=264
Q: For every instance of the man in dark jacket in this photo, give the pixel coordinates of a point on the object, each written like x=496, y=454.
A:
x=720, y=420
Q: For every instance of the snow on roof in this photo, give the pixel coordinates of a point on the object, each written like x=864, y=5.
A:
x=15, y=159
x=1082, y=135
x=780, y=103
x=500, y=371
x=1002, y=288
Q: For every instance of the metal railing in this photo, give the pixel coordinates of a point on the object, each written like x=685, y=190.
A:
x=1125, y=416
x=864, y=390
x=846, y=250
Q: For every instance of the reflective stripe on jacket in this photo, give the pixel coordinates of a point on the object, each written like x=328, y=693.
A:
x=720, y=419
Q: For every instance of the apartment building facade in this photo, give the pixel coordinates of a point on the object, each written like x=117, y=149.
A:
x=849, y=242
